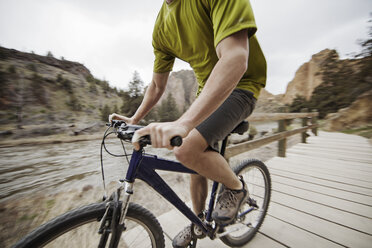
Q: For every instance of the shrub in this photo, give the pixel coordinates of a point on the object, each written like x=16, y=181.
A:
x=105, y=112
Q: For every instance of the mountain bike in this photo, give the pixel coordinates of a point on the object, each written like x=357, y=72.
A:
x=117, y=222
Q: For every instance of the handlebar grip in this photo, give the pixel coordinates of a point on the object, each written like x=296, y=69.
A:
x=176, y=141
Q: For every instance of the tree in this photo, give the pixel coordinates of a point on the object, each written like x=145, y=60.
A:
x=299, y=102
x=136, y=85
x=133, y=97
x=49, y=54
x=168, y=110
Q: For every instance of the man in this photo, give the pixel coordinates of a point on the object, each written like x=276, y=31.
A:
x=217, y=38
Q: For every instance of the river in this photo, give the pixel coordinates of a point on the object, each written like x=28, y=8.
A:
x=59, y=167
x=56, y=167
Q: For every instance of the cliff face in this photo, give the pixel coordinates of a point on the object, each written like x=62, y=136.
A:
x=42, y=90
x=268, y=103
x=306, y=78
x=65, y=65
x=182, y=85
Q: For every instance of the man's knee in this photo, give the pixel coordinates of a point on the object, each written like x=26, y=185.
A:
x=193, y=146
x=184, y=155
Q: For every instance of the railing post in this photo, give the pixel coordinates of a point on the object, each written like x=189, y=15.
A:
x=314, y=121
x=304, y=124
x=282, y=144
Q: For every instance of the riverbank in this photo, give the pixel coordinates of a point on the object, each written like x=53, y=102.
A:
x=22, y=214
x=47, y=140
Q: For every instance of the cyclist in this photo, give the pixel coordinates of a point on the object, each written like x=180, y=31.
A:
x=217, y=38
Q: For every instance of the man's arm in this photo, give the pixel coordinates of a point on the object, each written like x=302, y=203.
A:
x=152, y=96
x=233, y=53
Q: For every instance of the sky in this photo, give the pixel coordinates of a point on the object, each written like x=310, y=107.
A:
x=113, y=38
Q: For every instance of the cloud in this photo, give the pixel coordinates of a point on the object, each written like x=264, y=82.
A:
x=113, y=38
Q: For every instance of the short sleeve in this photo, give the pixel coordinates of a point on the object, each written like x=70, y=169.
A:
x=229, y=17
x=163, y=61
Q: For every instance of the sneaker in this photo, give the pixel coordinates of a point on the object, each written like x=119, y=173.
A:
x=184, y=238
x=228, y=204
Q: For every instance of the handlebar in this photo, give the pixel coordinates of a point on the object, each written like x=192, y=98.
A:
x=126, y=132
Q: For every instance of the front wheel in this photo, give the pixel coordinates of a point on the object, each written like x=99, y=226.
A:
x=257, y=177
x=79, y=228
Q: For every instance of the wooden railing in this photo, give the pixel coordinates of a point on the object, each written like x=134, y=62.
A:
x=280, y=136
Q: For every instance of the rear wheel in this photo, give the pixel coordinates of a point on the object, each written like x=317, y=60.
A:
x=257, y=177
x=79, y=228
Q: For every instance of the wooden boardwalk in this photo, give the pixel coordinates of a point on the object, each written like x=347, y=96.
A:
x=321, y=197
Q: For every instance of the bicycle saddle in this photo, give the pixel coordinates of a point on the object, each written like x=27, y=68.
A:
x=241, y=128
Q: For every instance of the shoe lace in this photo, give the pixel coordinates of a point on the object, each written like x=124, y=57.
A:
x=227, y=200
x=186, y=233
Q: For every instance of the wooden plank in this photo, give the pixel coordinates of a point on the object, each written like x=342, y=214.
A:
x=341, y=136
x=333, y=149
x=325, y=190
x=331, y=168
x=330, y=145
x=325, y=200
x=323, y=182
x=359, y=166
x=261, y=240
x=173, y=221
x=337, y=152
x=299, y=167
x=263, y=117
x=337, y=216
x=286, y=166
x=329, y=230
x=293, y=236
x=249, y=145
x=337, y=157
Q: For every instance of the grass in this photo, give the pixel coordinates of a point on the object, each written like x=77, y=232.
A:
x=362, y=131
x=27, y=217
x=50, y=203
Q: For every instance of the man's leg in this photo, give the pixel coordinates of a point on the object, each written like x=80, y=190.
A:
x=199, y=192
x=194, y=154
x=199, y=152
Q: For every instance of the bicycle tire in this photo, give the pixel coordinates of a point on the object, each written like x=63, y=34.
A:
x=245, y=234
x=57, y=228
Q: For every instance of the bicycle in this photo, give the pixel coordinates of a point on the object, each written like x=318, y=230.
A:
x=121, y=223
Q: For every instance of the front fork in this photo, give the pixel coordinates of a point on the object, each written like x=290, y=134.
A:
x=115, y=225
x=128, y=192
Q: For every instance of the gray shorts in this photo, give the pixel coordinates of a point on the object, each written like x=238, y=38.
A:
x=237, y=107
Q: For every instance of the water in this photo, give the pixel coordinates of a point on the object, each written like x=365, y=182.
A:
x=25, y=170
x=51, y=168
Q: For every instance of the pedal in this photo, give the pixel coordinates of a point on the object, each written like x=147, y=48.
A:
x=193, y=243
x=252, y=203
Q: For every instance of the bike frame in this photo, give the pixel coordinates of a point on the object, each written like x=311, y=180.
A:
x=144, y=166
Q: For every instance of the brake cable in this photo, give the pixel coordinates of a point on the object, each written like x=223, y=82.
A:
x=103, y=145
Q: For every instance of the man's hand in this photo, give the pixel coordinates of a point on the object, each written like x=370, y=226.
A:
x=127, y=120
x=161, y=134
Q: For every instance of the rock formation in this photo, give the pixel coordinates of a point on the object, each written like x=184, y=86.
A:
x=357, y=115
x=182, y=85
x=306, y=78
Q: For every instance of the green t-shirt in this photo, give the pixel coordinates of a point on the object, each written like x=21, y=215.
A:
x=191, y=29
